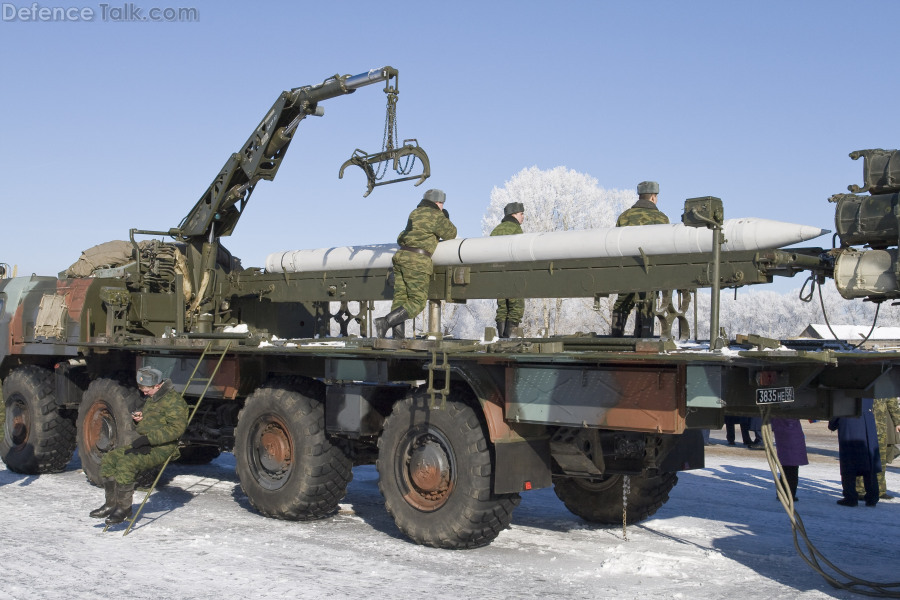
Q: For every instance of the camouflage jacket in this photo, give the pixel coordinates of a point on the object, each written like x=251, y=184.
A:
x=887, y=417
x=165, y=416
x=643, y=212
x=508, y=226
x=426, y=226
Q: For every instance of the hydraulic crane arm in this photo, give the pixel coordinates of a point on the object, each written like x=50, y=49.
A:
x=219, y=208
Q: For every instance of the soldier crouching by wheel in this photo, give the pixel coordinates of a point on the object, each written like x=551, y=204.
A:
x=161, y=422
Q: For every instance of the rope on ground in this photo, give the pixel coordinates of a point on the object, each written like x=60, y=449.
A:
x=810, y=554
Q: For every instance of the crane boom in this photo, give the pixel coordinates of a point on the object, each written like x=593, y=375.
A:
x=217, y=211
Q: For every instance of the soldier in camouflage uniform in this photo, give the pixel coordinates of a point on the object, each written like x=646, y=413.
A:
x=427, y=225
x=887, y=417
x=510, y=310
x=161, y=422
x=643, y=212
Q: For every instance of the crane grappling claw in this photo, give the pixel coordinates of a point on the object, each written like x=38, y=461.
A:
x=410, y=149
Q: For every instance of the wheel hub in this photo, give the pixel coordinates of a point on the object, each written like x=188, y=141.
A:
x=275, y=450
x=98, y=429
x=18, y=423
x=429, y=471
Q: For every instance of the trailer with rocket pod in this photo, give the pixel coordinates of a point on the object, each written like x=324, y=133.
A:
x=457, y=429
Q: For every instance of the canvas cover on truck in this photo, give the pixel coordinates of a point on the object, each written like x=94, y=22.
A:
x=108, y=254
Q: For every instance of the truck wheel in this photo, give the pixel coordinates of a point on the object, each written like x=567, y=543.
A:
x=287, y=465
x=435, y=474
x=38, y=439
x=104, y=421
x=600, y=500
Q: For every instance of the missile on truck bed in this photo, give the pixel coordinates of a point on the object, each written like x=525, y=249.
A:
x=740, y=234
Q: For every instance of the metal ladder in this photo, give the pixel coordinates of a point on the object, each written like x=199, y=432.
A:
x=208, y=350
x=432, y=391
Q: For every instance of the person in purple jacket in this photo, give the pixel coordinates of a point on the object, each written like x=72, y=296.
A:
x=790, y=444
x=858, y=454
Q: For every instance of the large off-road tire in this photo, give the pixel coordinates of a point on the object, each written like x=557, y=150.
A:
x=37, y=438
x=600, y=500
x=435, y=473
x=287, y=465
x=104, y=422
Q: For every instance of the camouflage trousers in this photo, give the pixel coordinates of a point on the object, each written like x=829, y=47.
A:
x=510, y=309
x=410, y=289
x=125, y=467
x=882, y=422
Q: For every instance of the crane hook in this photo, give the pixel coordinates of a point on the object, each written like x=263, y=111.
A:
x=365, y=161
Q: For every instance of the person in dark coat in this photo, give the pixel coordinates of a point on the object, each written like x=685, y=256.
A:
x=858, y=454
x=744, y=422
x=756, y=428
x=790, y=444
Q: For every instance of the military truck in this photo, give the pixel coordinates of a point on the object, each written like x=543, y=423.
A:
x=457, y=428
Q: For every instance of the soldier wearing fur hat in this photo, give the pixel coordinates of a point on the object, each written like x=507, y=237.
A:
x=510, y=310
x=428, y=224
x=643, y=212
x=159, y=424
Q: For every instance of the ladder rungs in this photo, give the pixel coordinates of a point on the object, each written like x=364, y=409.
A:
x=192, y=379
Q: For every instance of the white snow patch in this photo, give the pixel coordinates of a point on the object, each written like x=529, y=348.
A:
x=722, y=534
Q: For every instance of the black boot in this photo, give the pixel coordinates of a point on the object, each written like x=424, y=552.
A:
x=501, y=329
x=398, y=332
x=124, y=499
x=109, y=486
x=510, y=325
x=396, y=317
x=618, y=324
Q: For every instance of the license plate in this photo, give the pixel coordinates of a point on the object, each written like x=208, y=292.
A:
x=774, y=395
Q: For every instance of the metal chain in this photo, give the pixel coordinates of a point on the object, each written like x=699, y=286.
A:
x=389, y=140
x=626, y=489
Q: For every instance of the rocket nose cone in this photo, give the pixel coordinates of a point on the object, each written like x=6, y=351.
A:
x=754, y=233
x=808, y=232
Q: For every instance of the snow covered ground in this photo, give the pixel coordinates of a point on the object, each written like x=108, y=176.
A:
x=722, y=535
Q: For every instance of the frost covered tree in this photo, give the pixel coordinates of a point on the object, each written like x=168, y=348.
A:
x=755, y=310
x=557, y=199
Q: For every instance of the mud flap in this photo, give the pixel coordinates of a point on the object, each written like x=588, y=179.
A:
x=521, y=466
x=686, y=453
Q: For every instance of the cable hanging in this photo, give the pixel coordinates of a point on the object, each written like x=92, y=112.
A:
x=810, y=554
x=825, y=316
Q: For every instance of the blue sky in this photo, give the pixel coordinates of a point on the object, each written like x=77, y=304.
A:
x=109, y=125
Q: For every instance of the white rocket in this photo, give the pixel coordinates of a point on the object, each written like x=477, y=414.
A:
x=740, y=234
